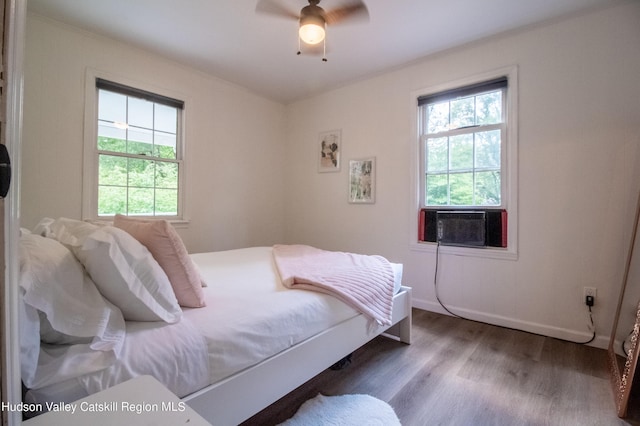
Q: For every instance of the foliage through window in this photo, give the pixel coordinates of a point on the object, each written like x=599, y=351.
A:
x=139, y=152
x=462, y=135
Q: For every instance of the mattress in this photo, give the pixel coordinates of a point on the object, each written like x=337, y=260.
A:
x=250, y=316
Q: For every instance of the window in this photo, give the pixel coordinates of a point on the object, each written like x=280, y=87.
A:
x=462, y=136
x=465, y=159
x=137, y=154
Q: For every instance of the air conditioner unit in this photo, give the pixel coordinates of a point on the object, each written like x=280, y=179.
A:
x=462, y=228
x=458, y=226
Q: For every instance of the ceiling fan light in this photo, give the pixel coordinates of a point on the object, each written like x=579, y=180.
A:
x=311, y=33
x=311, y=29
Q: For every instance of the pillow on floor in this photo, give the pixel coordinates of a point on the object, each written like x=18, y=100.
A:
x=166, y=246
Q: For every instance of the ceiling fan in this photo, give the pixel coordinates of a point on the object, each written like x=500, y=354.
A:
x=314, y=19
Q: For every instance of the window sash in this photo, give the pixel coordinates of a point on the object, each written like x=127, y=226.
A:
x=153, y=155
x=448, y=96
x=160, y=193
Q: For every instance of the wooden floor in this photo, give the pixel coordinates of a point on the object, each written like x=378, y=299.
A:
x=459, y=372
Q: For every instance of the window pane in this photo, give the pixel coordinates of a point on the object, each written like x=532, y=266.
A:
x=166, y=119
x=437, y=190
x=139, y=148
x=109, y=130
x=164, y=145
x=112, y=107
x=112, y=144
x=141, y=201
x=112, y=200
x=112, y=170
x=166, y=175
x=488, y=149
x=438, y=117
x=141, y=173
x=488, y=188
x=166, y=202
x=461, y=189
x=461, y=152
x=489, y=108
x=462, y=112
x=140, y=141
x=140, y=113
x=437, y=154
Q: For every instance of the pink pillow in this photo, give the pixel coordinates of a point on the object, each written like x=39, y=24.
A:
x=167, y=248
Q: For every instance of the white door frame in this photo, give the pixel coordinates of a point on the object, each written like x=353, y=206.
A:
x=15, y=40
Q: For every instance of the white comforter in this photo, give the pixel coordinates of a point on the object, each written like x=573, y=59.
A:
x=250, y=316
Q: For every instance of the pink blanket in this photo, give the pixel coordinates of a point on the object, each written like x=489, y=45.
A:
x=363, y=282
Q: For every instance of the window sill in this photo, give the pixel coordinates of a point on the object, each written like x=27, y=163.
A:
x=177, y=223
x=180, y=223
x=484, y=252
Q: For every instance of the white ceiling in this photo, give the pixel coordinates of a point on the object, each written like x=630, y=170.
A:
x=228, y=39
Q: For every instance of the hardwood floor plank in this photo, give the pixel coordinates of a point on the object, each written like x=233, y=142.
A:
x=459, y=372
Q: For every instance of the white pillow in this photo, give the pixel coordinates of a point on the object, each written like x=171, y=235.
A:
x=48, y=334
x=128, y=276
x=54, y=283
x=29, y=341
x=43, y=227
x=71, y=232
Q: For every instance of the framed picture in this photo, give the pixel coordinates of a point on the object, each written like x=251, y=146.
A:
x=362, y=180
x=329, y=151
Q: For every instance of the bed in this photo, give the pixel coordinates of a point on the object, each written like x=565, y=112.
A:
x=245, y=329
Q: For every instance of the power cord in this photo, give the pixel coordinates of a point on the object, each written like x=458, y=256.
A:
x=435, y=285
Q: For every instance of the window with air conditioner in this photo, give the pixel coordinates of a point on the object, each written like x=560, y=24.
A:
x=467, y=155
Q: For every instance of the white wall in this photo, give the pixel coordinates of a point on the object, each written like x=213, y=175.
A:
x=579, y=134
x=233, y=138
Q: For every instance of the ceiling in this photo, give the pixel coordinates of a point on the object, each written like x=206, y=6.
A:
x=228, y=39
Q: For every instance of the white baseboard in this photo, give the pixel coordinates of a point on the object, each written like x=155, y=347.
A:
x=601, y=341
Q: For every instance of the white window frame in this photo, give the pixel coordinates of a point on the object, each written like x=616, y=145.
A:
x=90, y=157
x=470, y=130
x=509, y=177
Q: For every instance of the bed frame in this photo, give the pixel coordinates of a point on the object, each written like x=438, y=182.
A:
x=240, y=396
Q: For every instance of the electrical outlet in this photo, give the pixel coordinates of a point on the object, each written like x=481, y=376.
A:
x=589, y=292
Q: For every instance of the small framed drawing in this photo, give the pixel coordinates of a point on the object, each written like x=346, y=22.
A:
x=362, y=181
x=329, y=151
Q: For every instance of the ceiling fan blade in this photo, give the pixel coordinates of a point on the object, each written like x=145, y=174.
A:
x=351, y=10
x=276, y=8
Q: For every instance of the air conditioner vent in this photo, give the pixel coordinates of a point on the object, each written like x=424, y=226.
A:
x=462, y=228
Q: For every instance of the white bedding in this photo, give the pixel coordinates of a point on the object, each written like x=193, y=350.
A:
x=250, y=316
